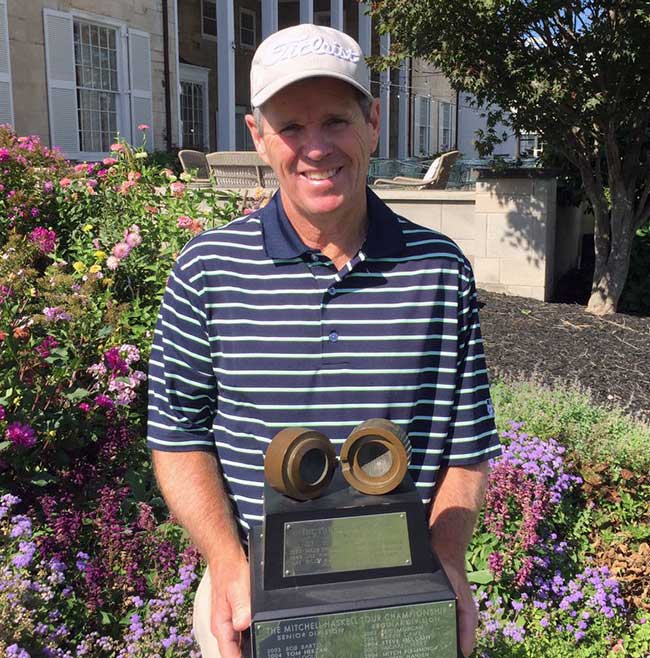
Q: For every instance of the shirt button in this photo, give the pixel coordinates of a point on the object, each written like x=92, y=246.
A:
x=333, y=336
x=331, y=290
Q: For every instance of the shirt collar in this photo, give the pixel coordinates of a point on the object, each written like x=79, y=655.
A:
x=281, y=241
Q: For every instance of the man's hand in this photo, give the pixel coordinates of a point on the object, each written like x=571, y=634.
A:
x=467, y=612
x=458, y=498
x=231, y=608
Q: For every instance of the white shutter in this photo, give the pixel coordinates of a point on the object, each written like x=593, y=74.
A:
x=416, y=122
x=6, y=97
x=61, y=81
x=140, y=92
x=432, y=132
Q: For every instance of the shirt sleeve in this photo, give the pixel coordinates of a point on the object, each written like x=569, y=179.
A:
x=472, y=437
x=182, y=385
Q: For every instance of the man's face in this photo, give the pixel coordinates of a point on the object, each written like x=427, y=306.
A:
x=318, y=142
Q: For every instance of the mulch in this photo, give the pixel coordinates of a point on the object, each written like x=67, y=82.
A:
x=555, y=344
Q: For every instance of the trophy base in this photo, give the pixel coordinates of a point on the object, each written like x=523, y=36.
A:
x=407, y=616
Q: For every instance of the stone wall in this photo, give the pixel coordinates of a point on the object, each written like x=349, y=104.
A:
x=506, y=228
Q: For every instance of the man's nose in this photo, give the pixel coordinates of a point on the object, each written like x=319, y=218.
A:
x=317, y=144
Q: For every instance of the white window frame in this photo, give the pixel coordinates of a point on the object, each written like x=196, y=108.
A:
x=324, y=17
x=206, y=35
x=424, y=147
x=243, y=11
x=197, y=75
x=123, y=111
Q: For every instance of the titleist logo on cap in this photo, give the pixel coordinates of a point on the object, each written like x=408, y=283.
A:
x=309, y=46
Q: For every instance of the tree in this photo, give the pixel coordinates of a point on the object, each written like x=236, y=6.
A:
x=575, y=72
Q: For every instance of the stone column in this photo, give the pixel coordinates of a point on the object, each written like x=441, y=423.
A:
x=226, y=75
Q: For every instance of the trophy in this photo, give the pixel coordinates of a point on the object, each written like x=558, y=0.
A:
x=342, y=566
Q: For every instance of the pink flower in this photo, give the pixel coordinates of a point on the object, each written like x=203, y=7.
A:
x=21, y=434
x=80, y=167
x=121, y=250
x=177, y=188
x=112, y=263
x=92, y=182
x=101, y=173
x=143, y=126
x=133, y=240
x=65, y=182
x=3, y=413
x=184, y=221
x=48, y=186
x=125, y=186
x=134, y=176
x=117, y=147
x=84, y=406
x=109, y=161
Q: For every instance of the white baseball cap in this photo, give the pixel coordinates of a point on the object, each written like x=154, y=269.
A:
x=306, y=51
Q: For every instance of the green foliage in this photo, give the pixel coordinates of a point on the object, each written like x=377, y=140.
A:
x=567, y=413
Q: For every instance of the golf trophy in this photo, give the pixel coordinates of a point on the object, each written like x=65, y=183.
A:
x=342, y=566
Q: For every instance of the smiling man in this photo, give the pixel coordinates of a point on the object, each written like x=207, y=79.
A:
x=321, y=310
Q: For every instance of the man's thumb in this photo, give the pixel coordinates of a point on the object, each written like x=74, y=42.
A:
x=241, y=612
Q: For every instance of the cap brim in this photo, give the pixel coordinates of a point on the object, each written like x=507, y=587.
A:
x=278, y=85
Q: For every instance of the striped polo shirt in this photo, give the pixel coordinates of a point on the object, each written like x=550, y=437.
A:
x=258, y=332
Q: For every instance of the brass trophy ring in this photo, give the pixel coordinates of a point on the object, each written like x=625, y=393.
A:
x=375, y=457
x=299, y=463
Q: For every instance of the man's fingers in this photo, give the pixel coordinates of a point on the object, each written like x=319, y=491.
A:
x=467, y=623
x=228, y=639
x=239, y=598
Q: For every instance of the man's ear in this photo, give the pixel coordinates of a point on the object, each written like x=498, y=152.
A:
x=257, y=138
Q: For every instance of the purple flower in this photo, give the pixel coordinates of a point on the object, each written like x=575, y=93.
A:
x=43, y=238
x=48, y=186
x=84, y=406
x=82, y=560
x=104, y=401
x=21, y=434
x=49, y=343
x=22, y=526
x=115, y=362
x=55, y=313
x=13, y=650
x=3, y=412
x=26, y=550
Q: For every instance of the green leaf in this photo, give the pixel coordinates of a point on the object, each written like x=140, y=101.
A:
x=4, y=445
x=77, y=394
x=482, y=577
x=43, y=480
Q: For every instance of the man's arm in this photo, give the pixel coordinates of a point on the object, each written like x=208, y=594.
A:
x=458, y=499
x=193, y=488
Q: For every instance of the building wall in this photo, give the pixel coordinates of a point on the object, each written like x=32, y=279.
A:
x=27, y=48
x=469, y=121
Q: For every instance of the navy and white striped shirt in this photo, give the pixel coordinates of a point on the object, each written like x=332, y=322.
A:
x=258, y=332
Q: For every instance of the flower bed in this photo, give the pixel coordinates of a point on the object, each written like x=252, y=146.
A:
x=92, y=564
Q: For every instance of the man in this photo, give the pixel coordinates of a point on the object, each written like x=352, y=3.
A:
x=321, y=310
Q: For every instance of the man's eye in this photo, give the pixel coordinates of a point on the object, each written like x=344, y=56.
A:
x=291, y=128
x=337, y=121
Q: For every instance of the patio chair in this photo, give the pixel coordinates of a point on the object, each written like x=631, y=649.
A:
x=435, y=179
x=240, y=169
x=195, y=163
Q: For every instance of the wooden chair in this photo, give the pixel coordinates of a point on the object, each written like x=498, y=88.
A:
x=435, y=179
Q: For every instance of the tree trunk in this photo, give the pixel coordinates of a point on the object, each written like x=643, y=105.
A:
x=613, y=251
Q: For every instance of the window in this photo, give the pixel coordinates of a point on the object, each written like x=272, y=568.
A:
x=209, y=18
x=98, y=83
x=530, y=145
x=445, y=127
x=194, y=106
x=322, y=18
x=243, y=139
x=192, y=115
x=247, y=28
x=6, y=100
x=424, y=127
x=95, y=59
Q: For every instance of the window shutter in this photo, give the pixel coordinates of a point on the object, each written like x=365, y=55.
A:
x=61, y=81
x=432, y=132
x=417, y=147
x=140, y=86
x=6, y=97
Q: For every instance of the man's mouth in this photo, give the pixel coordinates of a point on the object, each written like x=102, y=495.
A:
x=321, y=175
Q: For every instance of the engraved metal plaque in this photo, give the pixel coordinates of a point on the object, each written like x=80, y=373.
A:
x=426, y=630
x=351, y=543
